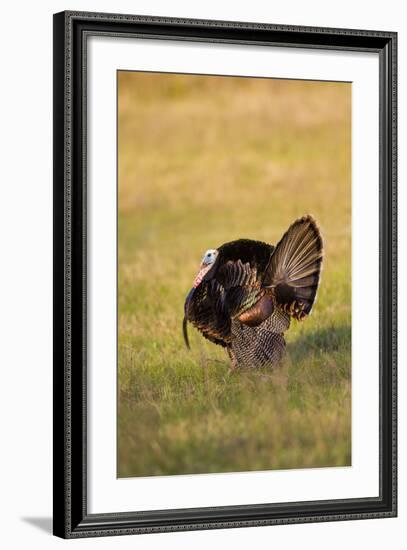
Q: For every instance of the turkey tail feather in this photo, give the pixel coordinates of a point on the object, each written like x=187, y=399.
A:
x=295, y=266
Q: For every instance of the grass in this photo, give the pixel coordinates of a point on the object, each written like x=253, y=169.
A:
x=202, y=161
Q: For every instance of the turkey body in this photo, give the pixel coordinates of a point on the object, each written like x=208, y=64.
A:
x=247, y=297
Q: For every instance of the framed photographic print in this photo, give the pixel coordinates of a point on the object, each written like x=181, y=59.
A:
x=224, y=274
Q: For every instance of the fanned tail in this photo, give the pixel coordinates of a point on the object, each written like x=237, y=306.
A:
x=294, y=268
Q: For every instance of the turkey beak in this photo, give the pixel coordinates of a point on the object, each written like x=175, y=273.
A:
x=204, y=267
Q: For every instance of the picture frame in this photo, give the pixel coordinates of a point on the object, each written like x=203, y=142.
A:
x=72, y=30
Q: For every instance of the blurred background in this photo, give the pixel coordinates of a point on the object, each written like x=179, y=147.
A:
x=204, y=160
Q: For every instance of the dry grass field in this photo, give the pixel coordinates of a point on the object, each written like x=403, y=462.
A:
x=202, y=161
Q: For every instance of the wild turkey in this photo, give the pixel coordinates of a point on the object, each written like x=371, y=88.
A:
x=246, y=292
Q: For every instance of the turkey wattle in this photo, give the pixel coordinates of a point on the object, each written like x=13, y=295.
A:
x=246, y=292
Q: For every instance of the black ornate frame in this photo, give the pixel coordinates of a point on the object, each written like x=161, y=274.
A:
x=71, y=518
